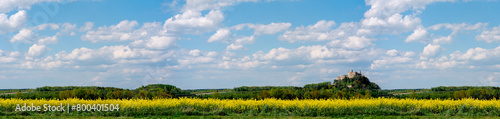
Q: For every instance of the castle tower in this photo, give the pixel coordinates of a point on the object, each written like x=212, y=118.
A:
x=359, y=71
x=351, y=70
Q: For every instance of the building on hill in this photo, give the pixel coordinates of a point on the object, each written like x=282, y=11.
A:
x=351, y=74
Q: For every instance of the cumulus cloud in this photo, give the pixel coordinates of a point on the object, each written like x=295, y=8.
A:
x=422, y=35
x=419, y=34
x=109, y=55
x=245, y=40
x=355, y=42
x=194, y=52
x=36, y=51
x=235, y=47
x=306, y=55
x=123, y=31
x=392, y=52
x=385, y=17
x=478, y=55
x=431, y=51
x=25, y=35
x=394, y=24
x=46, y=63
x=270, y=28
x=260, y=29
x=193, y=22
x=442, y=40
x=52, y=26
x=196, y=56
x=8, y=57
x=200, y=5
x=456, y=28
x=119, y=32
x=87, y=26
x=385, y=8
x=221, y=35
x=48, y=40
x=317, y=32
x=440, y=63
x=156, y=42
x=12, y=23
x=391, y=62
x=490, y=36
x=31, y=34
x=9, y=5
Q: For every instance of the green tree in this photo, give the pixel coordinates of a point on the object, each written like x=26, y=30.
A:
x=367, y=94
x=117, y=94
x=264, y=95
x=216, y=94
x=109, y=95
x=18, y=95
x=413, y=95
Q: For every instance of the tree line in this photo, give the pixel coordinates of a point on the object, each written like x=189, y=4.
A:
x=93, y=92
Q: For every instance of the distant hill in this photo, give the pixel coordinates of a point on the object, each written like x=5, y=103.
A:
x=356, y=82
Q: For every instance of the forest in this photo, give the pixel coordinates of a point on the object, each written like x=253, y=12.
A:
x=358, y=87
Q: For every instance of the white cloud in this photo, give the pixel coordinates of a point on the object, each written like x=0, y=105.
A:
x=48, y=40
x=386, y=8
x=25, y=35
x=245, y=40
x=193, y=22
x=394, y=59
x=242, y=63
x=12, y=23
x=235, y=47
x=317, y=32
x=36, y=51
x=200, y=5
x=478, y=54
x=310, y=54
x=456, y=28
x=196, y=60
x=195, y=57
x=119, y=32
x=260, y=29
x=9, y=5
x=419, y=34
x=490, y=36
x=30, y=35
x=391, y=62
x=156, y=42
x=45, y=26
x=440, y=63
x=442, y=40
x=385, y=17
x=87, y=26
x=392, y=52
x=431, y=51
x=493, y=79
x=238, y=44
x=355, y=42
x=8, y=57
x=194, y=52
x=46, y=63
x=123, y=31
x=221, y=35
x=422, y=35
x=212, y=54
x=110, y=55
x=391, y=25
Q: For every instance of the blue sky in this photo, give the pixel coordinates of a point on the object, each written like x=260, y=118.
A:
x=198, y=44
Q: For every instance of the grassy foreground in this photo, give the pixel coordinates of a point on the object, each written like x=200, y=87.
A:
x=256, y=117
x=267, y=107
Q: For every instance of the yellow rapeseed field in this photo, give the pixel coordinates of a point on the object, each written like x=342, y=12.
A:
x=319, y=107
